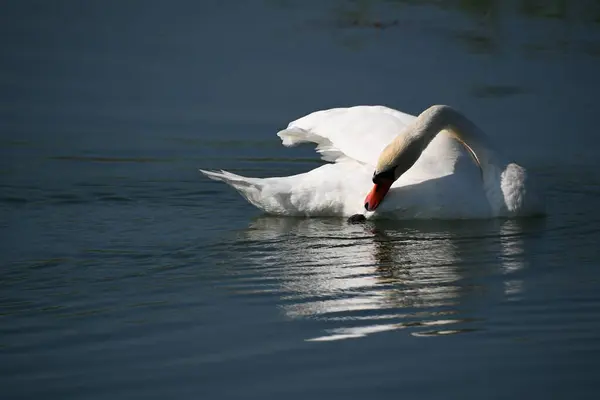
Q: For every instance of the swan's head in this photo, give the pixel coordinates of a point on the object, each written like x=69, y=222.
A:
x=395, y=160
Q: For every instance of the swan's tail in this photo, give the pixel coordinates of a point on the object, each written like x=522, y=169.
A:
x=237, y=181
x=252, y=189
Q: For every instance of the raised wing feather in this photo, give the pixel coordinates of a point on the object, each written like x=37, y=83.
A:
x=358, y=133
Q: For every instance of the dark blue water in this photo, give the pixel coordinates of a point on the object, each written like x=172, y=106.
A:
x=126, y=274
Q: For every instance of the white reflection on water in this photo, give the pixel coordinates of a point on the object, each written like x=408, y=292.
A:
x=370, y=278
x=513, y=258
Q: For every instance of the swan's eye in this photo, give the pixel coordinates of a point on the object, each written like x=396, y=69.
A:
x=387, y=175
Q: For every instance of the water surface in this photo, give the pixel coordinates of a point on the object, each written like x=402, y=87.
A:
x=126, y=274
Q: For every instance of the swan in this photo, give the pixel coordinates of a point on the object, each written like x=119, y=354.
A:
x=386, y=163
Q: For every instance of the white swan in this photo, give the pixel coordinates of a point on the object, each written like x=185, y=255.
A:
x=436, y=165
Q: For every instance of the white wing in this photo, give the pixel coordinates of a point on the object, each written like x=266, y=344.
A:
x=359, y=133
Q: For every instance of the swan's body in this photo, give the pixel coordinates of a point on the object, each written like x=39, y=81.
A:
x=457, y=173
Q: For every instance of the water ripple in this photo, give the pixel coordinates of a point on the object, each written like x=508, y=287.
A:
x=362, y=280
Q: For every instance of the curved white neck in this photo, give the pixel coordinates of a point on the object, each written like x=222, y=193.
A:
x=438, y=118
x=503, y=180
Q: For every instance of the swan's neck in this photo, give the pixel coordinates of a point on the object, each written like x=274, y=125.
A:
x=439, y=118
x=404, y=151
x=504, y=182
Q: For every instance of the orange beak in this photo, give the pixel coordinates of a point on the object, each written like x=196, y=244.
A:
x=376, y=195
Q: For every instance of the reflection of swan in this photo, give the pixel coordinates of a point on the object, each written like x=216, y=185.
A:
x=381, y=284
x=364, y=279
x=318, y=265
x=427, y=174
x=513, y=261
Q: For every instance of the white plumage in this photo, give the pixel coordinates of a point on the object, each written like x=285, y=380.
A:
x=443, y=183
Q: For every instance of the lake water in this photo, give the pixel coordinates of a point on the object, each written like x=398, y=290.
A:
x=126, y=274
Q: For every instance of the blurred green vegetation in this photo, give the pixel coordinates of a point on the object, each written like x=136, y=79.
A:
x=482, y=30
x=583, y=10
x=534, y=29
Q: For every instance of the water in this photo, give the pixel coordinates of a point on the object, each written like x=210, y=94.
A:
x=126, y=274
